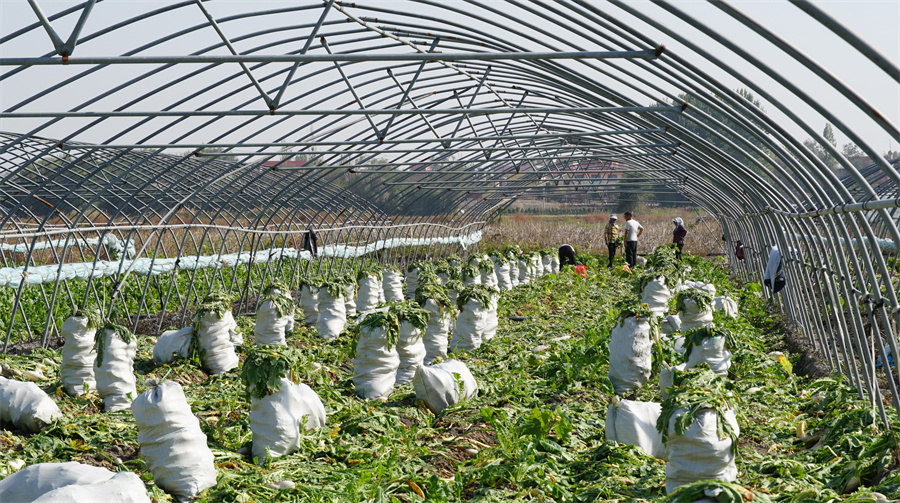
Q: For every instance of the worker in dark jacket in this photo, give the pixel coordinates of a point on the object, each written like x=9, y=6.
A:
x=567, y=255
x=678, y=236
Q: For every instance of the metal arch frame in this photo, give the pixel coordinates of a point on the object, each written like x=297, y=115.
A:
x=564, y=92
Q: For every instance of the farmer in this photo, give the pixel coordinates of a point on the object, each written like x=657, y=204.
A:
x=678, y=236
x=567, y=255
x=633, y=230
x=611, y=233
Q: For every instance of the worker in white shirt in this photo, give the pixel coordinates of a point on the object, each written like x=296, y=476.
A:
x=633, y=230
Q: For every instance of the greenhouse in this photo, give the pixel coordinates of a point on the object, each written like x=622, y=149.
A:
x=210, y=206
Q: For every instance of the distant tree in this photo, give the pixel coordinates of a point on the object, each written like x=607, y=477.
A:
x=857, y=157
x=820, y=152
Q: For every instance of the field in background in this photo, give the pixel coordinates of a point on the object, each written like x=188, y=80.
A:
x=585, y=232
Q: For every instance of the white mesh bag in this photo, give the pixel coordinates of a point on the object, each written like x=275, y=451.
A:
x=309, y=302
x=77, y=367
x=172, y=443
x=332, y=314
x=411, y=350
x=630, y=355
x=33, y=481
x=271, y=328
x=122, y=487
x=277, y=420
x=546, y=264
x=369, y=294
x=26, y=406
x=473, y=321
x=392, y=283
x=215, y=340
x=727, y=305
x=634, y=423
x=350, y=299
x=171, y=343
x=114, y=369
x=442, y=385
x=437, y=332
x=375, y=364
x=502, y=271
x=692, y=316
x=700, y=454
x=656, y=294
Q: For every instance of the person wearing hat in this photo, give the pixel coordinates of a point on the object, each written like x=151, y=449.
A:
x=678, y=236
x=611, y=233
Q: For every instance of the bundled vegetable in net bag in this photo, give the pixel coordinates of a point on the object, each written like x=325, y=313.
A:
x=116, y=347
x=547, y=262
x=415, y=274
x=309, y=300
x=524, y=265
x=502, y=271
x=172, y=443
x=77, y=368
x=370, y=291
x=554, y=264
x=727, y=305
x=488, y=273
x=349, y=295
x=694, y=309
x=392, y=283
x=274, y=316
x=26, y=406
x=434, y=299
x=123, y=487
x=630, y=349
x=711, y=346
x=33, y=481
x=444, y=384
x=214, y=327
x=332, y=310
x=471, y=275
x=376, y=362
x=72, y=482
x=708, y=288
x=671, y=324
x=173, y=343
x=410, y=347
x=634, y=423
x=537, y=266
x=280, y=409
x=477, y=317
x=655, y=293
x=699, y=426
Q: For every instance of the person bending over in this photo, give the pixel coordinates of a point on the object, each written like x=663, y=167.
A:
x=567, y=255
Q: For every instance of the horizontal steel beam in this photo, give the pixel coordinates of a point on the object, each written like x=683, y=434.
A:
x=327, y=112
x=479, y=161
x=317, y=143
x=442, y=149
x=309, y=58
x=523, y=172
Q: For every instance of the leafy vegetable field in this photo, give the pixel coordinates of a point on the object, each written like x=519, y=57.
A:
x=534, y=432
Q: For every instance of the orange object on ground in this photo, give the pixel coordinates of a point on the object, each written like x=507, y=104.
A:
x=581, y=270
